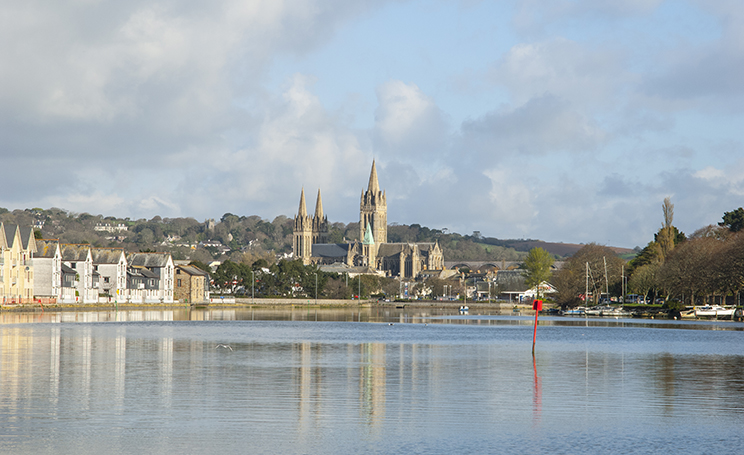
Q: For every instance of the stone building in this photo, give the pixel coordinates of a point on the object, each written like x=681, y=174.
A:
x=404, y=260
x=192, y=284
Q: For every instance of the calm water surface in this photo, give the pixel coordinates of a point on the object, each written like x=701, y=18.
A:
x=375, y=381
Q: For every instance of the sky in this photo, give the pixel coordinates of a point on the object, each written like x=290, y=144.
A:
x=559, y=120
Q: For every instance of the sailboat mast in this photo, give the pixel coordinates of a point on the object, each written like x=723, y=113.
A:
x=607, y=285
x=586, y=288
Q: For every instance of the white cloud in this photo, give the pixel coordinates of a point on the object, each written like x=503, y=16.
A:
x=562, y=68
x=542, y=125
x=407, y=121
x=532, y=16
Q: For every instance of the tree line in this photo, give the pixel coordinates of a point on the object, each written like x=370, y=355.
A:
x=677, y=269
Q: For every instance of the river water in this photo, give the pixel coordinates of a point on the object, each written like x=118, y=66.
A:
x=377, y=381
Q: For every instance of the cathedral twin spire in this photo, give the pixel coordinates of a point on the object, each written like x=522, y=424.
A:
x=302, y=212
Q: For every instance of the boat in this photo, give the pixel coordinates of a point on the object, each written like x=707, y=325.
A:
x=615, y=311
x=464, y=309
x=578, y=311
x=713, y=311
x=594, y=311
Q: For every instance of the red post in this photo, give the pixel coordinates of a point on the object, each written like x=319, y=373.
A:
x=537, y=306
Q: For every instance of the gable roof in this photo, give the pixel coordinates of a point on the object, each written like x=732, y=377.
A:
x=7, y=235
x=148, y=259
x=27, y=238
x=46, y=248
x=107, y=255
x=191, y=270
x=74, y=252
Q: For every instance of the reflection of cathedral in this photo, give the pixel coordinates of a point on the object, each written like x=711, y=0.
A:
x=373, y=252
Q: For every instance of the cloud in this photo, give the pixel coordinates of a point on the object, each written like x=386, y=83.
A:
x=533, y=16
x=408, y=122
x=704, y=75
x=143, y=100
x=562, y=68
x=297, y=143
x=542, y=125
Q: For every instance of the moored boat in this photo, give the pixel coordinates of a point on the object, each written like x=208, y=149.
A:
x=578, y=311
x=713, y=311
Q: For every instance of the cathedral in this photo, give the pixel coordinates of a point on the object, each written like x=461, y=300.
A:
x=372, y=252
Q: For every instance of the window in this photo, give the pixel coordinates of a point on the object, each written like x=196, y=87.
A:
x=179, y=282
x=105, y=279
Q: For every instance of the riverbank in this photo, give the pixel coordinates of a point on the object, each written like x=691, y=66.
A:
x=270, y=303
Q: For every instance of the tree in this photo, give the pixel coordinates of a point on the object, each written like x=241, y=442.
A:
x=729, y=265
x=644, y=279
x=733, y=220
x=666, y=235
x=537, y=263
x=570, y=280
x=688, y=272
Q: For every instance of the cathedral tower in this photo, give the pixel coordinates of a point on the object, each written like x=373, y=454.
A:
x=320, y=223
x=309, y=231
x=373, y=210
x=303, y=233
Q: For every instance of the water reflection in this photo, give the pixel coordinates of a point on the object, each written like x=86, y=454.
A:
x=423, y=315
x=305, y=387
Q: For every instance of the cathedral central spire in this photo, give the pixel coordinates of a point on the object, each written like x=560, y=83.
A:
x=319, y=207
x=374, y=185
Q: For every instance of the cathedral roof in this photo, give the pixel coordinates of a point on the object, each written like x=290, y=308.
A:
x=331, y=250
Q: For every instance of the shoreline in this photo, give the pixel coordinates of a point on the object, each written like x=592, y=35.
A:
x=262, y=303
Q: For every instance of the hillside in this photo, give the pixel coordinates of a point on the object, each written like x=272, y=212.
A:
x=247, y=238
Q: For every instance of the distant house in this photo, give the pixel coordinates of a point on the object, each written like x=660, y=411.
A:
x=47, y=262
x=110, y=228
x=17, y=248
x=159, y=264
x=511, y=285
x=111, y=264
x=191, y=284
x=143, y=286
x=79, y=258
x=68, y=290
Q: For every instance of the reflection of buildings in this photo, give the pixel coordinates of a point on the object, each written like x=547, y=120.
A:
x=372, y=382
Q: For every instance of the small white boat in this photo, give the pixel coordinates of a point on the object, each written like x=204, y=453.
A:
x=578, y=311
x=615, y=311
x=713, y=311
x=594, y=311
x=464, y=309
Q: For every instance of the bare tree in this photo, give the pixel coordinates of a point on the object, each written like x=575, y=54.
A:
x=689, y=272
x=666, y=234
x=570, y=280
